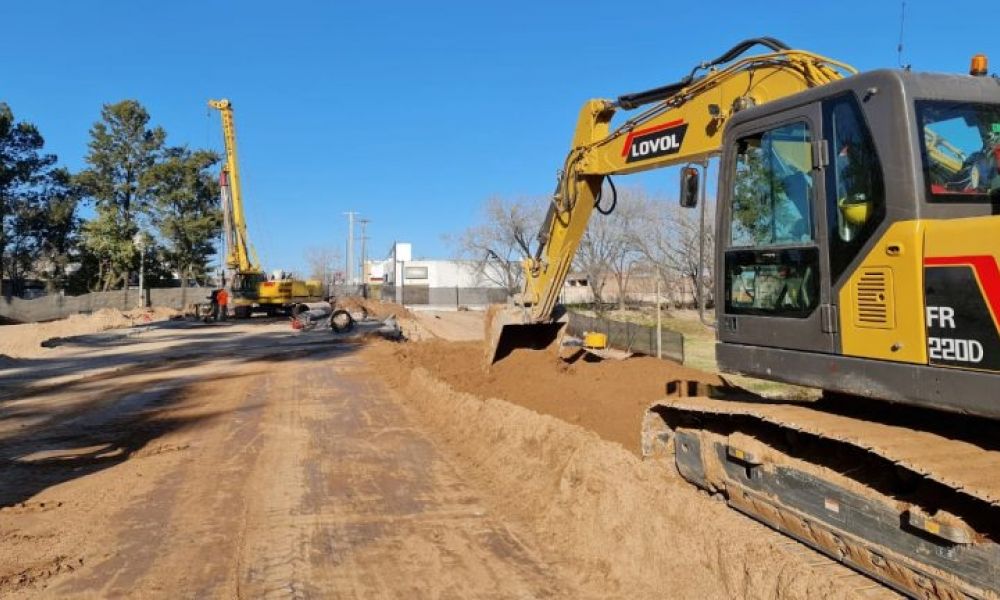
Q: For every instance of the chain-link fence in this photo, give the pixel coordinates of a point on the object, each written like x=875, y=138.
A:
x=631, y=337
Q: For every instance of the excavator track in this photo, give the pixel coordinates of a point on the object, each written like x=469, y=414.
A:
x=911, y=500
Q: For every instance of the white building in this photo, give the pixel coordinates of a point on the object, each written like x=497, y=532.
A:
x=432, y=282
x=432, y=273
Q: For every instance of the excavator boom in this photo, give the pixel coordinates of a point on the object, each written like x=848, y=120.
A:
x=681, y=123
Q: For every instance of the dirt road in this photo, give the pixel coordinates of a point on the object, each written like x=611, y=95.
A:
x=304, y=469
x=288, y=481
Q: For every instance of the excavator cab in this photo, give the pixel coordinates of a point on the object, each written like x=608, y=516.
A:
x=856, y=240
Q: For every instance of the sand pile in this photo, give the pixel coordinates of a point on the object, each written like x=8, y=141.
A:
x=24, y=341
x=609, y=397
x=629, y=523
x=374, y=308
x=149, y=315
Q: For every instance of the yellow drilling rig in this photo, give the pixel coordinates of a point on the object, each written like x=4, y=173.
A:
x=252, y=289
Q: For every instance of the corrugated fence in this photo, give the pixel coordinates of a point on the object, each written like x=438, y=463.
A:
x=631, y=337
x=422, y=295
x=58, y=306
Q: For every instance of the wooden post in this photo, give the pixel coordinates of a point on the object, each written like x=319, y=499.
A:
x=659, y=323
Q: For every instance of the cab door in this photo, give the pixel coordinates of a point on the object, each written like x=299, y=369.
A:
x=772, y=283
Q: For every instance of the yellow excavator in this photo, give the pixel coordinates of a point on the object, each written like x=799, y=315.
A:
x=857, y=245
x=252, y=290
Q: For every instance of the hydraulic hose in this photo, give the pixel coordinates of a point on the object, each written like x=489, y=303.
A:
x=637, y=99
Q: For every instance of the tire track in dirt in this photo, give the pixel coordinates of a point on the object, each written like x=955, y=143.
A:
x=376, y=512
x=175, y=534
x=269, y=558
x=610, y=515
x=296, y=480
x=110, y=480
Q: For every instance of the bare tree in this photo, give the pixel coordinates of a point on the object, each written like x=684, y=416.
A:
x=668, y=237
x=323, y=262
x=501, y=239
x=608, y=247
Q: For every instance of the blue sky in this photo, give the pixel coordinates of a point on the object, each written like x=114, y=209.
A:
x=412, y=113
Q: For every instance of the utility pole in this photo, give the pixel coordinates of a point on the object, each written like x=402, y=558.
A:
x=350, y=246
x=364, y=256
x=141, y=241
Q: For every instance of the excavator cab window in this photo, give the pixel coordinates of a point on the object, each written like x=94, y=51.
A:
x=771, y=266
x=855, y=188
x=960, y=147
x=772, y=196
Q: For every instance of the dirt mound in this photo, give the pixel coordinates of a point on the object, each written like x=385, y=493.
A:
x=149, y=315
x=608, y=397
x=631, y=524
x=24, y=340
x=452, y=325
x=374, y=308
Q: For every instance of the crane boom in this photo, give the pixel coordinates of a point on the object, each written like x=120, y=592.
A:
x=240, y=255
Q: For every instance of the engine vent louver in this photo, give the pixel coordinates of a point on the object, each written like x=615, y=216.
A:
x=873, y=299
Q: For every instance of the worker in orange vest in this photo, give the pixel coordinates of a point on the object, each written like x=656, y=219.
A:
x=222, y=300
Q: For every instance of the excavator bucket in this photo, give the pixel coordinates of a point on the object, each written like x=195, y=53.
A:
x=508, y=329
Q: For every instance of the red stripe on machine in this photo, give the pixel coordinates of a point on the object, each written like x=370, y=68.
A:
x=632, y=134
x=986, y=270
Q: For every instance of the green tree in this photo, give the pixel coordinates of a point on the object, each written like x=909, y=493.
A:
x=52, y=226
x=123, y=151
x=753, y=190
x=23, y=168
x=186, y=210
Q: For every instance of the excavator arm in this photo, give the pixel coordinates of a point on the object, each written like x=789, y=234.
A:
x=681, y=123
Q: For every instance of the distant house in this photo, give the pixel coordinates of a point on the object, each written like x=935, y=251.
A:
x=577, y=290
x=433, y=282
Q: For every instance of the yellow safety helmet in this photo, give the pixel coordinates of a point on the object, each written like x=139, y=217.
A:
x=855, y=213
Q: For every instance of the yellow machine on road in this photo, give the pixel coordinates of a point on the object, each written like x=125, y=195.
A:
x=252, y=289
x=857, y=251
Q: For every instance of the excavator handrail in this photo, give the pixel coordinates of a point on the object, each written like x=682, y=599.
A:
x=818, y=75
x=637, y=99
